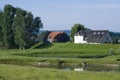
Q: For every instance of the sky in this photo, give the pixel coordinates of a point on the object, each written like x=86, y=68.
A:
x=63, y=14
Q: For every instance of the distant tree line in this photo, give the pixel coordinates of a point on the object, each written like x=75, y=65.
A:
x=115, y=36
x=18, y=28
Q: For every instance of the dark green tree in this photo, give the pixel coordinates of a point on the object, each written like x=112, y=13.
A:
x=28, y=28
x=1, y=35
x=36, y=25
x=19, y=28
x=7, y=21
x=25, y=28
x=76, y=28
x=32, y=26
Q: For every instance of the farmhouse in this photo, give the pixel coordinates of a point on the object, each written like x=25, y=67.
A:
x=58, y=37
x=93, y=36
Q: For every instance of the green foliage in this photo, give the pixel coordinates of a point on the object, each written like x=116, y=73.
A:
x=76, y=28
x=18, y=28
x=28, y=29
x=36, y=25
x=115, y=36
x=1, y=23
x=8, y=16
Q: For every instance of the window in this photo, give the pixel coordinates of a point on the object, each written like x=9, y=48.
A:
x=102, y=33
x=94, y=33
x=98, y=33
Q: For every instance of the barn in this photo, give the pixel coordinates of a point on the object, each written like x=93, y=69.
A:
x=58, y=37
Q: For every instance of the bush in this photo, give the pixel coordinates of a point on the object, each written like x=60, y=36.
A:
x=111, y=52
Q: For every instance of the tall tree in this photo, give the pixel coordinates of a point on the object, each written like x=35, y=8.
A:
x=36, y=25
x=1, y=35
x=8, y=16
x=19, y=28
x=25, y=28
x=28, y=28
x=76, y=28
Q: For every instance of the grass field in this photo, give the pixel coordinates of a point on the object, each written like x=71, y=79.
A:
x=11, y=72
x=71, y=50
x=23, y=64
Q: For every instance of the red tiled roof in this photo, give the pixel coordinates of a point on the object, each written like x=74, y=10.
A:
x=52, y=35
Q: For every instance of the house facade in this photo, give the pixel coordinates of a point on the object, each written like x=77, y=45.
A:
x=93, y=36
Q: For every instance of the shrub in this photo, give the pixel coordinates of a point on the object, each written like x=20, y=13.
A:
x=111, y=52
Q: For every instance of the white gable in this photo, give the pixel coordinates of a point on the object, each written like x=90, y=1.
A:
x=79, y=39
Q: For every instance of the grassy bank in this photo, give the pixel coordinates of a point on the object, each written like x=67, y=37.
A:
x=71, y=50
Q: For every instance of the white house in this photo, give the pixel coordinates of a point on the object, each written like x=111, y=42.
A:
x=79, y=39
x=93, y=36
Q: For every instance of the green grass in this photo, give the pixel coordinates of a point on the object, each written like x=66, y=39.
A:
x=22, y=64
x=71, y=50
x=12, y=72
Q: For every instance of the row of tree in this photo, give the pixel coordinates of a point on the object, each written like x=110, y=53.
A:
x=18, y=28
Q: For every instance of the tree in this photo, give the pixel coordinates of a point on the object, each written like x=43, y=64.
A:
x=76, y=28
x=28, y=28
x=8, y=16
x=32, y=28
x=36, y=25
x=19, y=28
x=1, y=35
x=25, y=28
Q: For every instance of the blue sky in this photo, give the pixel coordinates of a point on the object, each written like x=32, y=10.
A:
x=63, y=14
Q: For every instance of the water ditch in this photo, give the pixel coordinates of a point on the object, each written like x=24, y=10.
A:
x=63, y=65
x=88, y=67
x=83, y=67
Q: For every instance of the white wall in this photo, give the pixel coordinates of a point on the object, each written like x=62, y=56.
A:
x=79, y=39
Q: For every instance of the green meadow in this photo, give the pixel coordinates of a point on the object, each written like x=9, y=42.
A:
x=12, y=72
x=46, y=62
